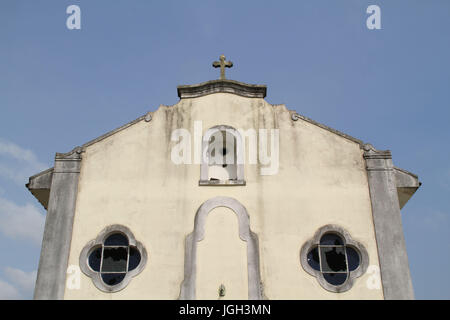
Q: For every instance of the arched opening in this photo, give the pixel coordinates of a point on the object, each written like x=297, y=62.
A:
x=189, y=285
x=222, y=157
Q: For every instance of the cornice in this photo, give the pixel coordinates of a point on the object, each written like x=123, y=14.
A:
x=222, y=86
x=74, y=155
x=371, y=153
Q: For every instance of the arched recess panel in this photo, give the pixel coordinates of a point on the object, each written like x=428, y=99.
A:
x=188, y=286
x=222, y=258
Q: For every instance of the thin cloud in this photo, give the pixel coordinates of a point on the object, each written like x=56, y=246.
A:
x=8, y=292
x=17, y=163
x=21, y=222
x=23, y=281
x=11, y=172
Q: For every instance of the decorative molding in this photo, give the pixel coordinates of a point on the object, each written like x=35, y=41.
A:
x=222, y=86
x=188, y=286
x=371, y=153
x=348, y=241
x=74, y=154
x=222, y=182
x=148, y=117
x=96, y=275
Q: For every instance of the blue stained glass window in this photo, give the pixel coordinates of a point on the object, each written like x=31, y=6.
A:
x=333, y=259
x=114, y=259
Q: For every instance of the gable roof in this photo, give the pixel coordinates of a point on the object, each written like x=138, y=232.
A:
x=39, y=184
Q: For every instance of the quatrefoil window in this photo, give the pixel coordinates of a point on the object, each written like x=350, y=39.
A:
x=334, y=258
x=113, y=258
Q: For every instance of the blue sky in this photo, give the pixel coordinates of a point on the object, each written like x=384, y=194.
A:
x=60, y=88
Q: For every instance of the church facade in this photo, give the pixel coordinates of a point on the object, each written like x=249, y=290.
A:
x=223, y=196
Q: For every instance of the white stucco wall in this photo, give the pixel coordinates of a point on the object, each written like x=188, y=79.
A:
x=128, y=178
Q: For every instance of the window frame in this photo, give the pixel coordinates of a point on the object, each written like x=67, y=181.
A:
x=91, y=246
x=347, y=242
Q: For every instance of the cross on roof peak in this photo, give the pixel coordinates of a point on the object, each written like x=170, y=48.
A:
x=222, y=64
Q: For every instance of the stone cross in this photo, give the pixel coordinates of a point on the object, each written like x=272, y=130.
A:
x=222, y=64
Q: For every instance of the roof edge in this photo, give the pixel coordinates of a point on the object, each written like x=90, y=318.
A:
x=39, y=185
x=110, y=133
x=41, y=173
x=295, y=116
x=407, y=172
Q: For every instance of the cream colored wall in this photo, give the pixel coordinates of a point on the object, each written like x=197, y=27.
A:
x=222, y=258
x=128, y=178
